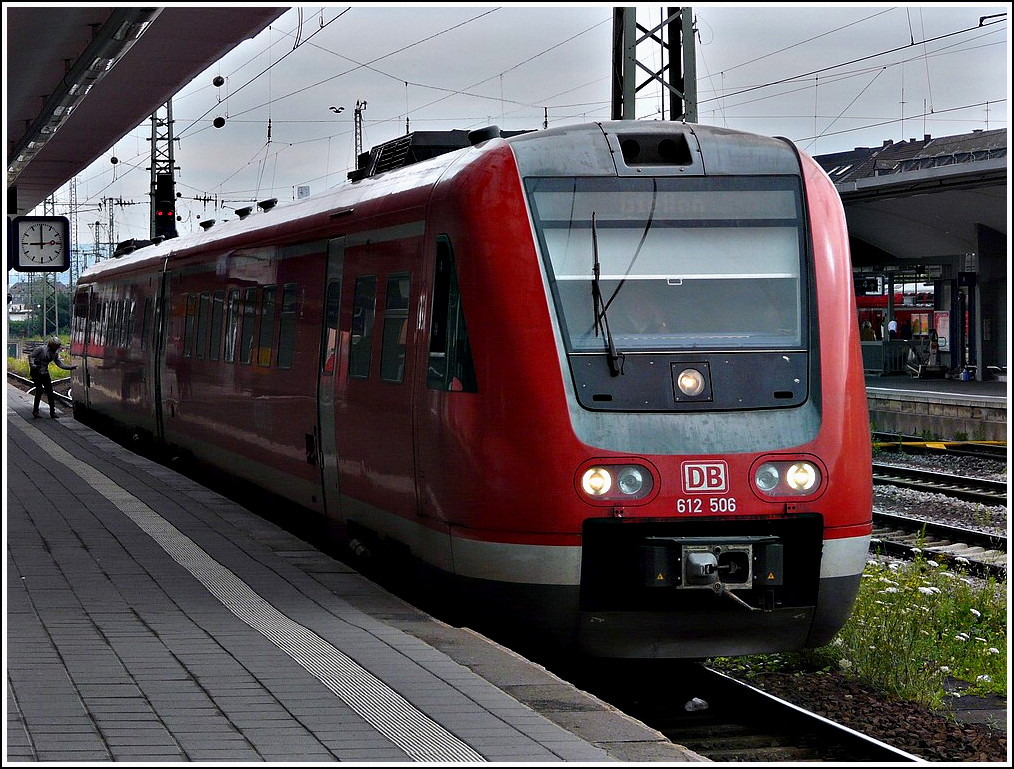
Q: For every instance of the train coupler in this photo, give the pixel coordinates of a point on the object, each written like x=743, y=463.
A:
x=721, y=589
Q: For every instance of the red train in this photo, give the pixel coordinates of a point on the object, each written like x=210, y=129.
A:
x=604, y=378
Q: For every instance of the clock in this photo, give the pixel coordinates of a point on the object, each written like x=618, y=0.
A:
x=41, y=243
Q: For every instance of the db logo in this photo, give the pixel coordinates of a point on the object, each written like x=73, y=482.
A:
x=705, y=477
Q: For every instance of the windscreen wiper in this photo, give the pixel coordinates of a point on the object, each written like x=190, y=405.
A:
x=599, y=309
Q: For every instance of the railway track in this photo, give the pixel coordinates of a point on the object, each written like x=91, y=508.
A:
x=978, y=553
x=980, y=490
x=29, y=386
x=727, y=720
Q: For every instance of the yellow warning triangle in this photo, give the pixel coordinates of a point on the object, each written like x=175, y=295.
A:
x=660, y=577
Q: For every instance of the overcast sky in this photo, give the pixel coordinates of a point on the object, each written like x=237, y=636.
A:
x=829, y=77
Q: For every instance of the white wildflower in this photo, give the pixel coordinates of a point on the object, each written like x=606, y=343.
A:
x=845, y=664
x=976, y=613
x=944, y=669
x=992, y=650
x=985, y=678
x=889, y=590
x=929, y=590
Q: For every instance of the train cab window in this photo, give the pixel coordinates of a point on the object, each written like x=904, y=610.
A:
x=683, y=263
x=231, y=324
x=329, y=342
x=287, y=326
x=267, y=327
x=364, y=309
x=189, y=326
x=215, y=332
x=392, y=354
x=249, y=325
x=203, y=324
x=450, y=355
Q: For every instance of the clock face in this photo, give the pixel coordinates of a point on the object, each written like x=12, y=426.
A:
x=41, y=243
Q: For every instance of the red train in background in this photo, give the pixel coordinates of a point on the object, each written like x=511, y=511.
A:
x=913, y=311
x=599, y=379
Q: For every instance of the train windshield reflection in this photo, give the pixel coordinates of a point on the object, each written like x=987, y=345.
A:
x=684, y=263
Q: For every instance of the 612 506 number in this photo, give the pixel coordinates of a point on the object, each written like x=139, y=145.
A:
x=714, y=505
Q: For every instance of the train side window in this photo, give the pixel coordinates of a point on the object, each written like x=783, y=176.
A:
x=332, y=305
x=231, y=322
x=131, y=315
x=287, y=326
x=93, y=316
x=392, y=354
x=267, y=327
x=80, y=316
x=115, y=337
x=146, y=323
x=364, y=310
x=203, y=324
x=450, y=355
x=217, y=302
x=249, y=320
x=188, y=329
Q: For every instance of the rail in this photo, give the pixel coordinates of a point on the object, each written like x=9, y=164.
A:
x=29, y=385
x=978, y=553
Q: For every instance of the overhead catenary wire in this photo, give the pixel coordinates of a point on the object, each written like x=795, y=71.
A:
x=563, y=111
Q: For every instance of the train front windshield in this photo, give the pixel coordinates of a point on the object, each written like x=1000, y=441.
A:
x=674, y=263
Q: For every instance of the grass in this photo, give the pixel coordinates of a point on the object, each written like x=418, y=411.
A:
x=914, y=624
x=19, y=366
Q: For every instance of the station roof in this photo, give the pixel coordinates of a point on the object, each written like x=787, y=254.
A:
x=922, y=200
x=80, y=78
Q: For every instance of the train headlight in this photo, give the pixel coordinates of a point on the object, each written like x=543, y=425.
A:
x=691, y=382
x=616, y=482
x=802, y=476
x=596, y=481
x=787, y=478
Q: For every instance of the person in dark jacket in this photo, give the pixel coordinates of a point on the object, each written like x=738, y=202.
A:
x=38, y=362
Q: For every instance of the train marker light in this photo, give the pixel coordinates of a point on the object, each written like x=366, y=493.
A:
x=630, y=480
x=766, y=477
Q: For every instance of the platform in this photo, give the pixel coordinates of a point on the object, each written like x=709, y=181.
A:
x=150, y=619
x=946, y=409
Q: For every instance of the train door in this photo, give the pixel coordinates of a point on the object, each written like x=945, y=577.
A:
x=375, y=437
x=327, y=455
